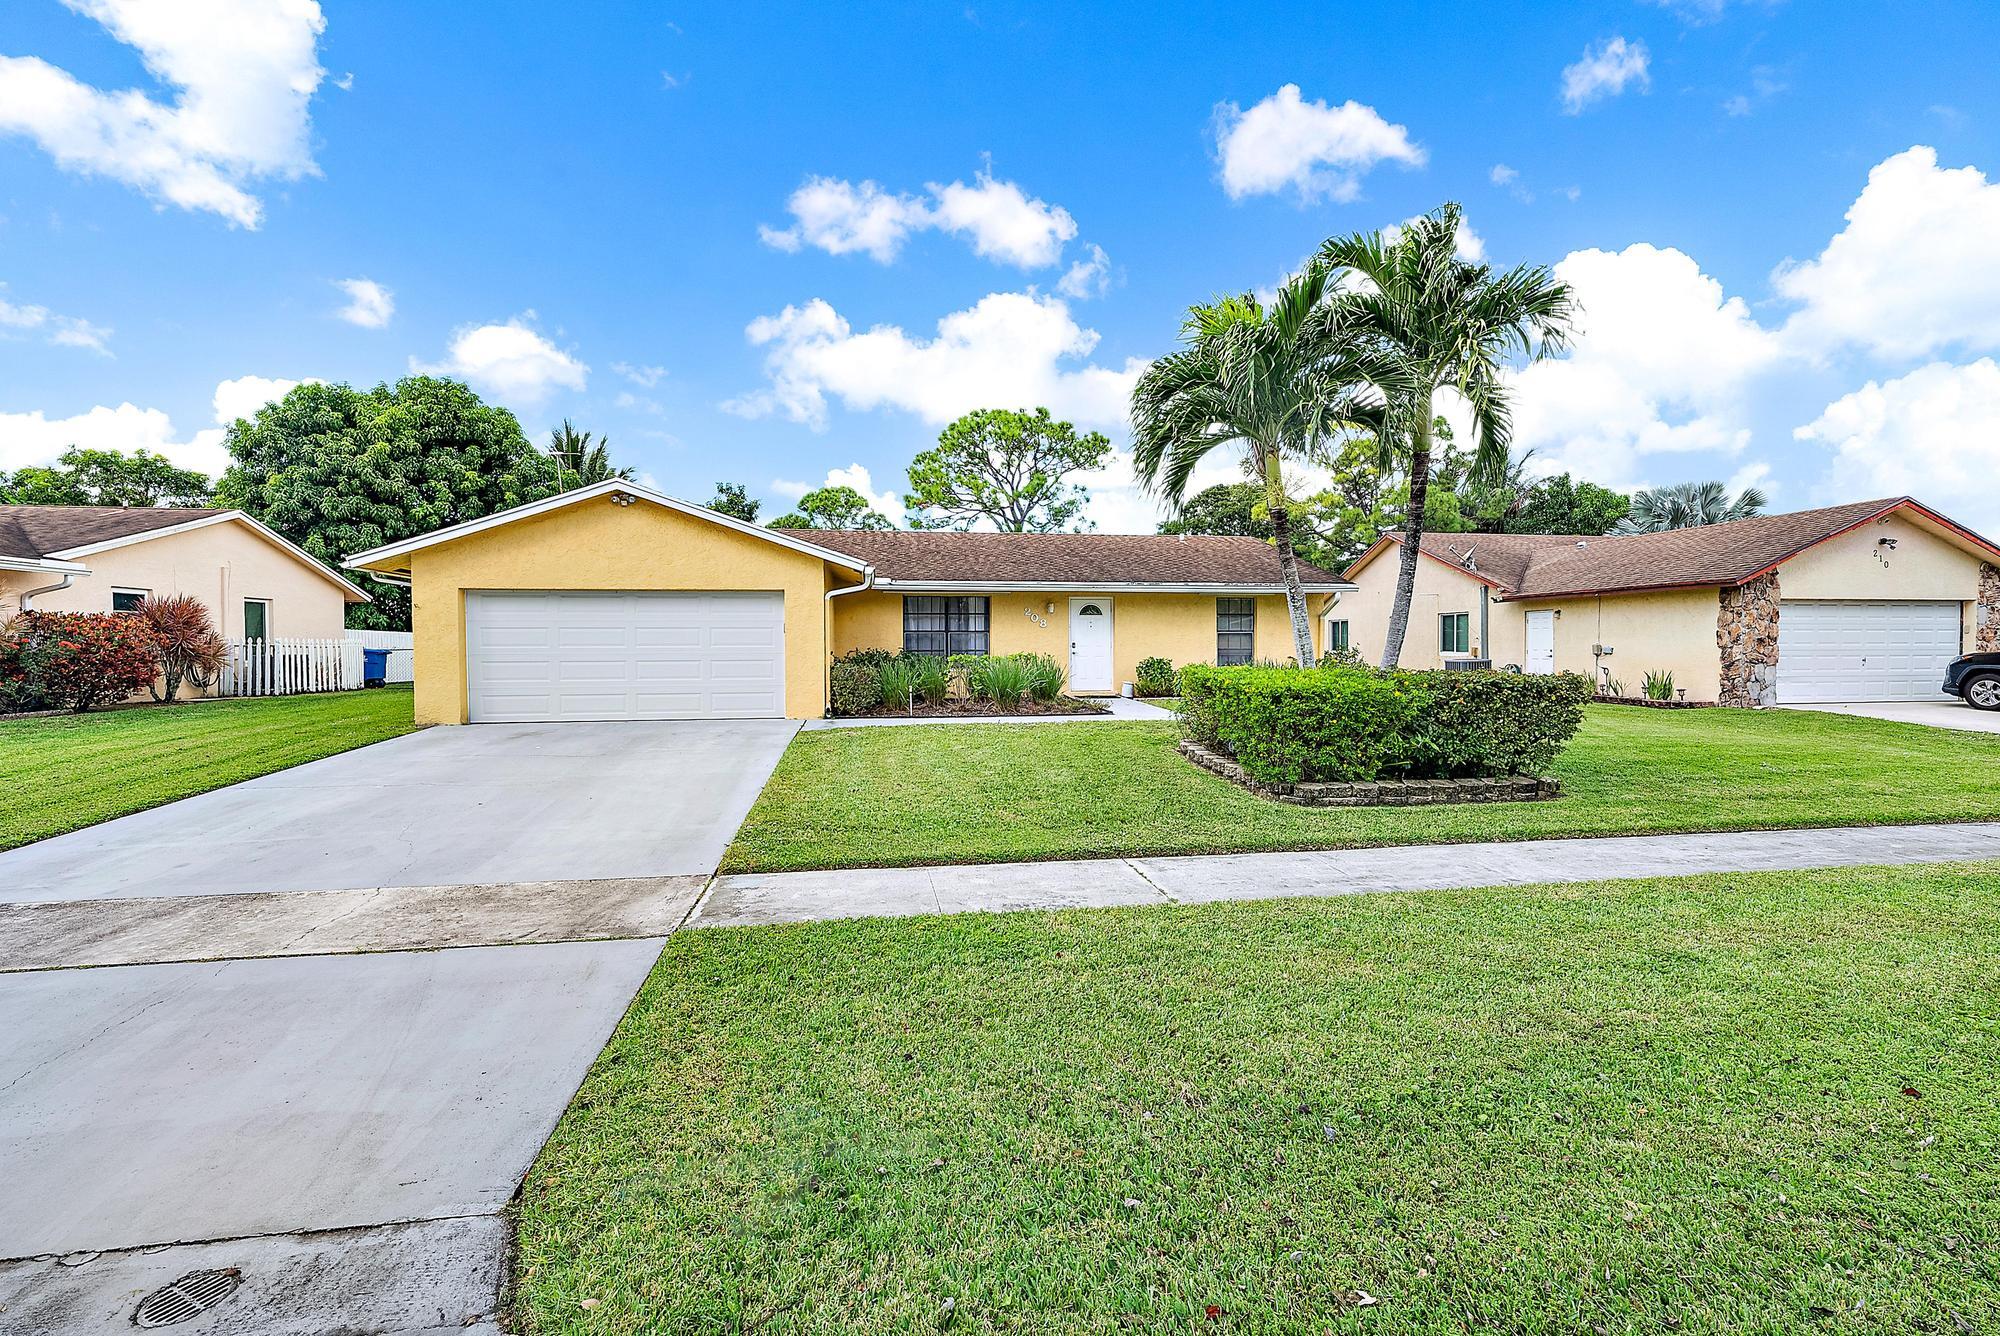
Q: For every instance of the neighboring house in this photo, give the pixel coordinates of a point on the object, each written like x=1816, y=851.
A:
x=108, y=558
x=1860, y=602
x=617, y=602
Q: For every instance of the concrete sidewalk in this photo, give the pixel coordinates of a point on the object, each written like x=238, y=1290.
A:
x=794, y=897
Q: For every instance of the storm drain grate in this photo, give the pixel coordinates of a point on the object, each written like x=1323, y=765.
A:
x=189, y=1297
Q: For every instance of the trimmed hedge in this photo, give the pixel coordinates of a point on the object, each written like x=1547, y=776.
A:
x=855, y=688
x=1293, y=725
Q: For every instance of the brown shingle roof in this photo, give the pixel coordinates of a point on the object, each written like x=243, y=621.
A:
x=43, y=531
x=1564, y=565
x=1078, y=559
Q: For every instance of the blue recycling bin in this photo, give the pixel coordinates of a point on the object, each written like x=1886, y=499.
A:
x=374, y=667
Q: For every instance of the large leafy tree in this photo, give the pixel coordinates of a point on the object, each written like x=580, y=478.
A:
x=581, y=461
x=733, y=498
x=1563, y=505
x=1232, y=509
x=1275, y=383
x=1007, y=468
x=82, y=477
x=1441, y=322
x=833, y=508
x=1688, y=505
x=339, y=470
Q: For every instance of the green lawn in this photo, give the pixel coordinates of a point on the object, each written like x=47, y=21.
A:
x=1757, y=1103
x=67, y=772
x=973, y=793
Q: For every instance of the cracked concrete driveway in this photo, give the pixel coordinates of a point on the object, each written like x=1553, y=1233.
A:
x=350, y=1074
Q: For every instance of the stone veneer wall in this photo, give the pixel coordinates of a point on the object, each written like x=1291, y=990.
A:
x=1746, y=631
x=1986, y=626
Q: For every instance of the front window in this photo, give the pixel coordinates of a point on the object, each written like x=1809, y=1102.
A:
x=1336, y=637
x=1455, y=633
x=256, y=619
x=127, y=600
x=1235, y=631
x=941, y=624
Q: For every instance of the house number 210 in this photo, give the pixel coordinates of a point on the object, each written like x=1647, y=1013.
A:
x=1037, y=618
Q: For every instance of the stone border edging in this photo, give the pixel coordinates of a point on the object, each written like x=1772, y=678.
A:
x=1647, y=703
x=1378, y=792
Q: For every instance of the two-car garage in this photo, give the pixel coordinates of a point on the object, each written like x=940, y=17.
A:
x=536, y=655
x=1832, y=650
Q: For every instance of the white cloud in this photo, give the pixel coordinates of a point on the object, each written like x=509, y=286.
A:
x=889, y=502
x=369, y=304
x=1503, y=175
x=244, y=72
x=36, y=438
x=1088, y=277
x=645, y=377
x=1660, y=364
x=1316, y=150
x=65, y=331
x=1930, y=434
x=512, y=361
x=1605, y=69
x=1000, y=220
x=1009, y=350
x=1916, y=268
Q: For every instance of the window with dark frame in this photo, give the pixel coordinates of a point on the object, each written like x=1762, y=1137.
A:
x=945, y=624
x=1235, y=631
x=1336, y=636
x=127, y=600
x=1455, y=633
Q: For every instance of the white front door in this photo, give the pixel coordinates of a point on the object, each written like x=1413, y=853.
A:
x=1541, y=653
x=1864, y=650
x=532, y=656
x=1090, y=644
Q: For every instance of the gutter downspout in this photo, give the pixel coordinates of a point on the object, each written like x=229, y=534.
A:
x=27, y=594
x=1485, y=645
x=826, y=632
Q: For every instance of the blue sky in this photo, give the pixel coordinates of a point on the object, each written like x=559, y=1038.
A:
x=771, y=244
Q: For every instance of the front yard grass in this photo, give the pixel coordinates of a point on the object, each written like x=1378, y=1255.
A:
x=898, y=796
x=1751, y=1103
x=65, y=772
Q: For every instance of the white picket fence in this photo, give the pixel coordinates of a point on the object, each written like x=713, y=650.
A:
x=402, y=651
x=288, y=667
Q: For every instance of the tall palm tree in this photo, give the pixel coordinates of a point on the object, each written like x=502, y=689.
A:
x=1275, y=382
x=1443, y=322
x=579, y=463
x=1688, y=505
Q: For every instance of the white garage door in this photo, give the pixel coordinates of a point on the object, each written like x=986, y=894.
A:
x=1863, y=651
x=534, y=656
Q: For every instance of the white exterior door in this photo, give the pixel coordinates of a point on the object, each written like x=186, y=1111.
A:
x=1541, y=649
x=532, y=656
x=1858, y=651
x=1090, y=644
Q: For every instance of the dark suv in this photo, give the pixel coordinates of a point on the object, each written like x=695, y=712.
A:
x=1976, y=677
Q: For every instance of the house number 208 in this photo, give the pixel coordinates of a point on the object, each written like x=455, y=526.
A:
x=1037, y=618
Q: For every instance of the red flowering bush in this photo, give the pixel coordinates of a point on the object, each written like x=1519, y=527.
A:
x=75, y=660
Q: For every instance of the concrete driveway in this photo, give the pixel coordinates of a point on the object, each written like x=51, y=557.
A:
x=1944, y=712
x=342, y=1126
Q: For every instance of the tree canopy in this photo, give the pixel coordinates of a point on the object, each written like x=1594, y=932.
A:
x=1563, y=505
x=833, y=508
x=339, y=470
x=733, y=498
x=580, y=462
x=1688, y=505
x=1007, y=468
x=1233, y=509
x=83, y=477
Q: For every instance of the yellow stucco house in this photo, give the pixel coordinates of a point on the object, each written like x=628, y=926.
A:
x=107, y=558
x=1860, y=602
x=618, y=602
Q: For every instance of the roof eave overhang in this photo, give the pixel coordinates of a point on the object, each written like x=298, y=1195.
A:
x=41, y=565
x=917, y=586
x=351, y=591
x=384, y=559
x=1376, y=548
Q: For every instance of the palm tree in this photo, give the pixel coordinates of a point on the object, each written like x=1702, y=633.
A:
x=1275, y=382
x=580, y=463
x=1442, y=322
x=1688, y=505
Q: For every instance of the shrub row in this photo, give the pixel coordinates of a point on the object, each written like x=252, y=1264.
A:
x=866, y=679
x=74, y=660
x=1345, y=723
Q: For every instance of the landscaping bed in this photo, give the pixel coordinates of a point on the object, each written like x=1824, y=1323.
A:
x=958, y=707
x=1745, y=1103
x=1377, y=793
x=888, y=797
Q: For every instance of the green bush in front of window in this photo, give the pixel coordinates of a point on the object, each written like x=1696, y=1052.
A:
x=854, y=688
x=1289, y=725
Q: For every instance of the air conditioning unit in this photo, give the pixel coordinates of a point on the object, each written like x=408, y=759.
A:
x=1468, y=663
